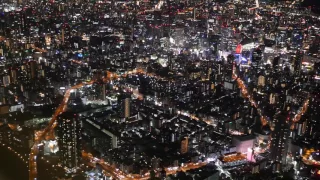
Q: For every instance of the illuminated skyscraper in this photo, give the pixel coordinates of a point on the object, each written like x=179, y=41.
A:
x=261, y=81
x=13, y=75
x=125, y=106
x=103, y=92
x=184, y=146
x=297, y=62
x=313, y=124
x=33, y=69
x=6, y=80
x=69, y=139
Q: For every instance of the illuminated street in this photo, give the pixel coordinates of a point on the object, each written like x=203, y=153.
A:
x=139, y=90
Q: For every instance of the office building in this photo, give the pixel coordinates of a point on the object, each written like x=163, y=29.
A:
x=33, y=69
x=13, y=75
x=184, y=145
x=313, y=124
x=6, y=80
x=69, y=139
x=124, y=102
x=297, y=62
x=261, y=81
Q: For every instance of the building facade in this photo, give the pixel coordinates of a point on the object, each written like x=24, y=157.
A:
x=69, y=139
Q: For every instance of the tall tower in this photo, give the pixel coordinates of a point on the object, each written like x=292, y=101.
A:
x=313, y=124
x=297, y=62
x=69, y=139
x=62, y=36
x=13, y=74
x=279, y=141
x=33, y=69
x=126, y=107
x=257, y=3
x=184, y=145
x=103, y=93
x=124, y=102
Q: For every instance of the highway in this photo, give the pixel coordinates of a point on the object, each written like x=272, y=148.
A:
x=116, y=173
x=263, y=119
x=245, y=94
x=40, y=135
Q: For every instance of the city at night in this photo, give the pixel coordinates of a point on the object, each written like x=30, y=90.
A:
x=160, y=90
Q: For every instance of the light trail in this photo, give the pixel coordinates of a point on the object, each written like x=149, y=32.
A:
x=245, y=93
x=40, y=136
x=263, y=119
x=169, y=170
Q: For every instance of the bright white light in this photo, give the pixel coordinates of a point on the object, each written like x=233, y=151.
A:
x=172, y=40
x=210, y=159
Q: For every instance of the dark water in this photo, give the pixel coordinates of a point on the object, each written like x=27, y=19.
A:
x=11, y=167
x=3, y=176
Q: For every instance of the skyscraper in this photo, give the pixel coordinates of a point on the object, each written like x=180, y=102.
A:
x=125, y=105
x=69, y=139
x=313, y=124
x=279, y=140
x=261, y=81
x=184, y=145
x=33, y=69
x=13, y=75
x=126, y=108
x=297, y=62
x=103, y=92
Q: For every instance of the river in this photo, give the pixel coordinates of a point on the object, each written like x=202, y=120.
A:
x=11, y=167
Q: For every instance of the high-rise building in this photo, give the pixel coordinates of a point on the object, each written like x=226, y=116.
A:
x=69, y=139
x=184, y=145
x=297, y=62
x=103, y=92
x=261, y=81
x=3, y=95
x=279, y=140
x=125, y=106
x=33, y=69
x=13, y=75
x=313, y=124
x=6, y=80
x=272, y=98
